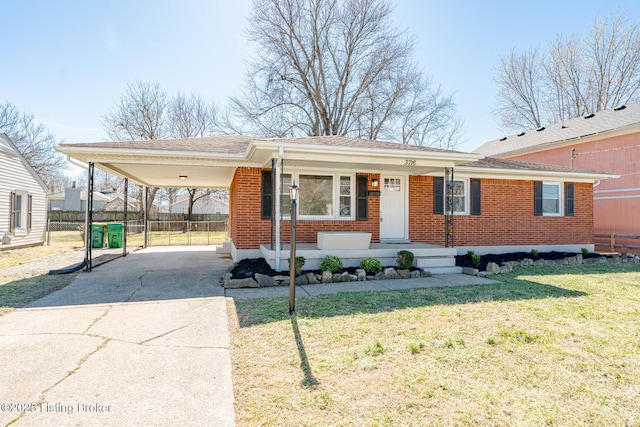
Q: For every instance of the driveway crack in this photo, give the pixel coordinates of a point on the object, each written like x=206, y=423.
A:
x=164, y=334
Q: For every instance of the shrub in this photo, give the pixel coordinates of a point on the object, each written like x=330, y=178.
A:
x=371, y=265
x=475, y=258
x=534, y=254
x=331, y=263
x=299, y=264
x=584, y=251
x=405, y=259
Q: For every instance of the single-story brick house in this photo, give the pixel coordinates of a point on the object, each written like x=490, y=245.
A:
x=395, y=196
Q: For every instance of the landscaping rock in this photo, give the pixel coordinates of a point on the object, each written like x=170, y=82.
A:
x=327, y=276
x=513, y=264
x=539, y=262
x=493, y=268
x=311, y=278
x=379, y=276
x=247, y=282
x=404, y=274
x=414, y=274
x=551, y=262
x=425, y=273
x=590, y=261
x=603, y=260
x=527, y=262
x=470, y=271
x=361, y=274
x=345, y=277
x=636, y=259
x=302, y=280
x=505, y=269
x=571, y=260
x=369, y=277
x=484, y=274
x=579, y=259
x=336, y=278
x=390, y=273
x=264, y=280
x=353, y=278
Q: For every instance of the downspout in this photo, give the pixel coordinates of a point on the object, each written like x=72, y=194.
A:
x=278, y=173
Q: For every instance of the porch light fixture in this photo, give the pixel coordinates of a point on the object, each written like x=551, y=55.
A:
x=183, y=177
x=374, y=182
x=293, y=193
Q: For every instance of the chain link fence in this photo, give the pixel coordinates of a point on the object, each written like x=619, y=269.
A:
x=161, y=233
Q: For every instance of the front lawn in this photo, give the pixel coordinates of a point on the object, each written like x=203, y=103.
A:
x=548, y=345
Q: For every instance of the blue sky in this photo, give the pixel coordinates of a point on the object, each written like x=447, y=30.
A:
x=68, y=62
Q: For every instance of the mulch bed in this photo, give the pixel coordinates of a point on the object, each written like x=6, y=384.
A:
x=465, y=260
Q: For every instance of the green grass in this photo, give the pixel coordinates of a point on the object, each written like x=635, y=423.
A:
x=547, y=345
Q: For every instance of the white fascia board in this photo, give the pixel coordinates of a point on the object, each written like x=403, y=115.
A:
x=86, y=153
x=533, y=175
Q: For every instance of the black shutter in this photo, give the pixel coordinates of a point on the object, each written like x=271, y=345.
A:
x=362, y=198
x=12, y=210
x=267, y=195
x=537, y=198
x=29, y=210
x=568, y=194
x=476, y=198
x=438, y=195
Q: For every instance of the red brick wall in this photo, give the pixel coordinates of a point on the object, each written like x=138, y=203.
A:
x=507, y=217
x=248, y=230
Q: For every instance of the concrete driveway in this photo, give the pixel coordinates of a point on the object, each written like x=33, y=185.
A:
x=143, y=340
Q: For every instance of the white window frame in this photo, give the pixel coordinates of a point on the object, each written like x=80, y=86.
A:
x=22, y=230
x=465, y=181
x=560, y=186
x=295, y=175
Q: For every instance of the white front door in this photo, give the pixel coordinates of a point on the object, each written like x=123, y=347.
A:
x=392, y=207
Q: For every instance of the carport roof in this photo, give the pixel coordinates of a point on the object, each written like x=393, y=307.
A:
x=211, y=161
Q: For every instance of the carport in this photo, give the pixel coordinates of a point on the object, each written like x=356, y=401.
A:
x=194, y=163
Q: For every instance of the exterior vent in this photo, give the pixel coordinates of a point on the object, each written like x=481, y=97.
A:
x=504, y=138
x=588, y=116
x=521, y=133
x=621, y=107
x=541, y=128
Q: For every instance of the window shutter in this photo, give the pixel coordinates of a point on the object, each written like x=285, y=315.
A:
x=29, y=215
x=362, y=198
x=438, y=195
x=476, y=208
x=568, y=194
x=12, y=210
x=537, y=198
x=267, y=195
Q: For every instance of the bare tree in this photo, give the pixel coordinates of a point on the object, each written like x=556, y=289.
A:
x=338, y=67
x=192, y=117
x=573, y=77
x=139, y=115
x=33, y=140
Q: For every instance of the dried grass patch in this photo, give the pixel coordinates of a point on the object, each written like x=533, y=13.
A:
x=546, y=346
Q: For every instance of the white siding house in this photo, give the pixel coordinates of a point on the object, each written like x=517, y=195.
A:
x=211, y=204
x=23, y=199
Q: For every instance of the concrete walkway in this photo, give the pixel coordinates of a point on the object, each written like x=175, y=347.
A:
x=306, y=291
x=143, y=340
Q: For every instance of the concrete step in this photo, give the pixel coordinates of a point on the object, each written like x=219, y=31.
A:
x=444, y=270
x=435, y=262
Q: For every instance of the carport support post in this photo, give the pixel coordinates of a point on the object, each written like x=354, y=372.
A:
x=125, y=210
x=145, y=216
x=88, y=219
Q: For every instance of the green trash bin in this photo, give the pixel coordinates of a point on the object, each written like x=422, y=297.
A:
x=97, y=236
x=114, y=234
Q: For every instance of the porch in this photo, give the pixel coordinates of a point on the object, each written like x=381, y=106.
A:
x=433, y=258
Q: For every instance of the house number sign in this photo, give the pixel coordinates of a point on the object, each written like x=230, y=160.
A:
x=409, y=162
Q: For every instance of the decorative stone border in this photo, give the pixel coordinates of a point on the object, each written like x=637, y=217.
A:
x=507, y=267
x=262, y=280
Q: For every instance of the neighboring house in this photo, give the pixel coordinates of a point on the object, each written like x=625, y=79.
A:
x=210, y=204
x=394, y=195
x=609, y=141
x=75, y=199
x=23, y=199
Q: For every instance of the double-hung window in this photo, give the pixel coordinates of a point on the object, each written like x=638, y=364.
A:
x=20, y=215
x=551, y=196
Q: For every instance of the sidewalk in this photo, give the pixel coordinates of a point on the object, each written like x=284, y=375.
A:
x=306, y=291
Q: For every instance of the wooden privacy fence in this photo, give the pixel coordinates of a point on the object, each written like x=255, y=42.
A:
x=614, y=241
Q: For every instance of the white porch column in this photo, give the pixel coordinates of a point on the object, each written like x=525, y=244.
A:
x=276, y=195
